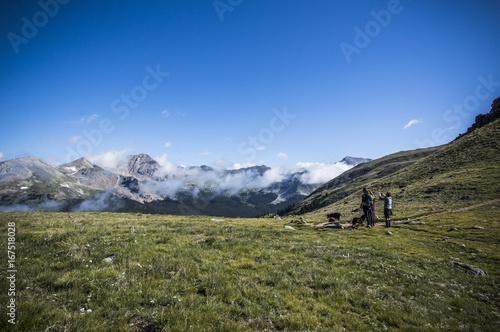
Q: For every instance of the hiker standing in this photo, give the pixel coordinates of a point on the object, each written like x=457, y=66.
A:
x=387, y=207
x=367, y=204
x=373, y=206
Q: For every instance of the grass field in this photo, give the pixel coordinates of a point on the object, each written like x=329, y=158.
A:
x=202, y=274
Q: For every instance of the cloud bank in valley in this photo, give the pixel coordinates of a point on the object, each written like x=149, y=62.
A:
x=171, y=178
x=105, y=201
x=47, y=206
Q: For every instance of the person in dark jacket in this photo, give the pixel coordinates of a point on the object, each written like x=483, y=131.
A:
x=387, y=207
x=367, y=204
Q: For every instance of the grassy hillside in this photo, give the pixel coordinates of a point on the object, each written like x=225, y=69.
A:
x=198, y=274
x=462, y=173
x=356, y=178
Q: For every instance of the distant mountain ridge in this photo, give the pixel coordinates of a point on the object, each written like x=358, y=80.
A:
x=139, y=184
x=353, y=161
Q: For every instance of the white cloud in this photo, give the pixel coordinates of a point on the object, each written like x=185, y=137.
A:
x=101, y=202
x=260, y=148
x=166, y=166
x=205, y=153
x=83, y=120
x=321, y=172
x=275, y=174
x=111, y=160
x=282, y=155
x=75, y=139
x=91, y=118
x=168, y=144
x=412, y=123
x=165, y=114
x=1, y=155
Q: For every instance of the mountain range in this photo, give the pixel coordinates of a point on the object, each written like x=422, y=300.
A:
x=141, y=184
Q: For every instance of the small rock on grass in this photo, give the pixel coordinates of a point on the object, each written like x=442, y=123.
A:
x=110, y=259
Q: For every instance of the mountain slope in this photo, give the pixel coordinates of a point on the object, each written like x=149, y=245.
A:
x=463, y=172
x=28, y=180
x=90, y=175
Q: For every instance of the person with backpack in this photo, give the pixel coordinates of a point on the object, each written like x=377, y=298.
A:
x=387, y=207
x=368, y=206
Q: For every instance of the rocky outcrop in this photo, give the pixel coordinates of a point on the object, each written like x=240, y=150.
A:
x=470, y=269
x=483, y=119
x=142, y=166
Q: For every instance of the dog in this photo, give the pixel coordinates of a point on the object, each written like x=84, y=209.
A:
x=337, y=216
x=358, y=221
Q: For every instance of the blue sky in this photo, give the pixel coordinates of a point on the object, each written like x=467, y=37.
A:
x=243, y=82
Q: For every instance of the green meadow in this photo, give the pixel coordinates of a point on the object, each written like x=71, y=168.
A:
x=175, y=273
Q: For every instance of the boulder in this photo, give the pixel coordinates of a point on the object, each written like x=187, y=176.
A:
x=470, y=269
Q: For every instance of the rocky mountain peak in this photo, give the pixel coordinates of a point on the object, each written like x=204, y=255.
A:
x=206, y=168
x=142, y=166
x=78, y=164
x=353, y=161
